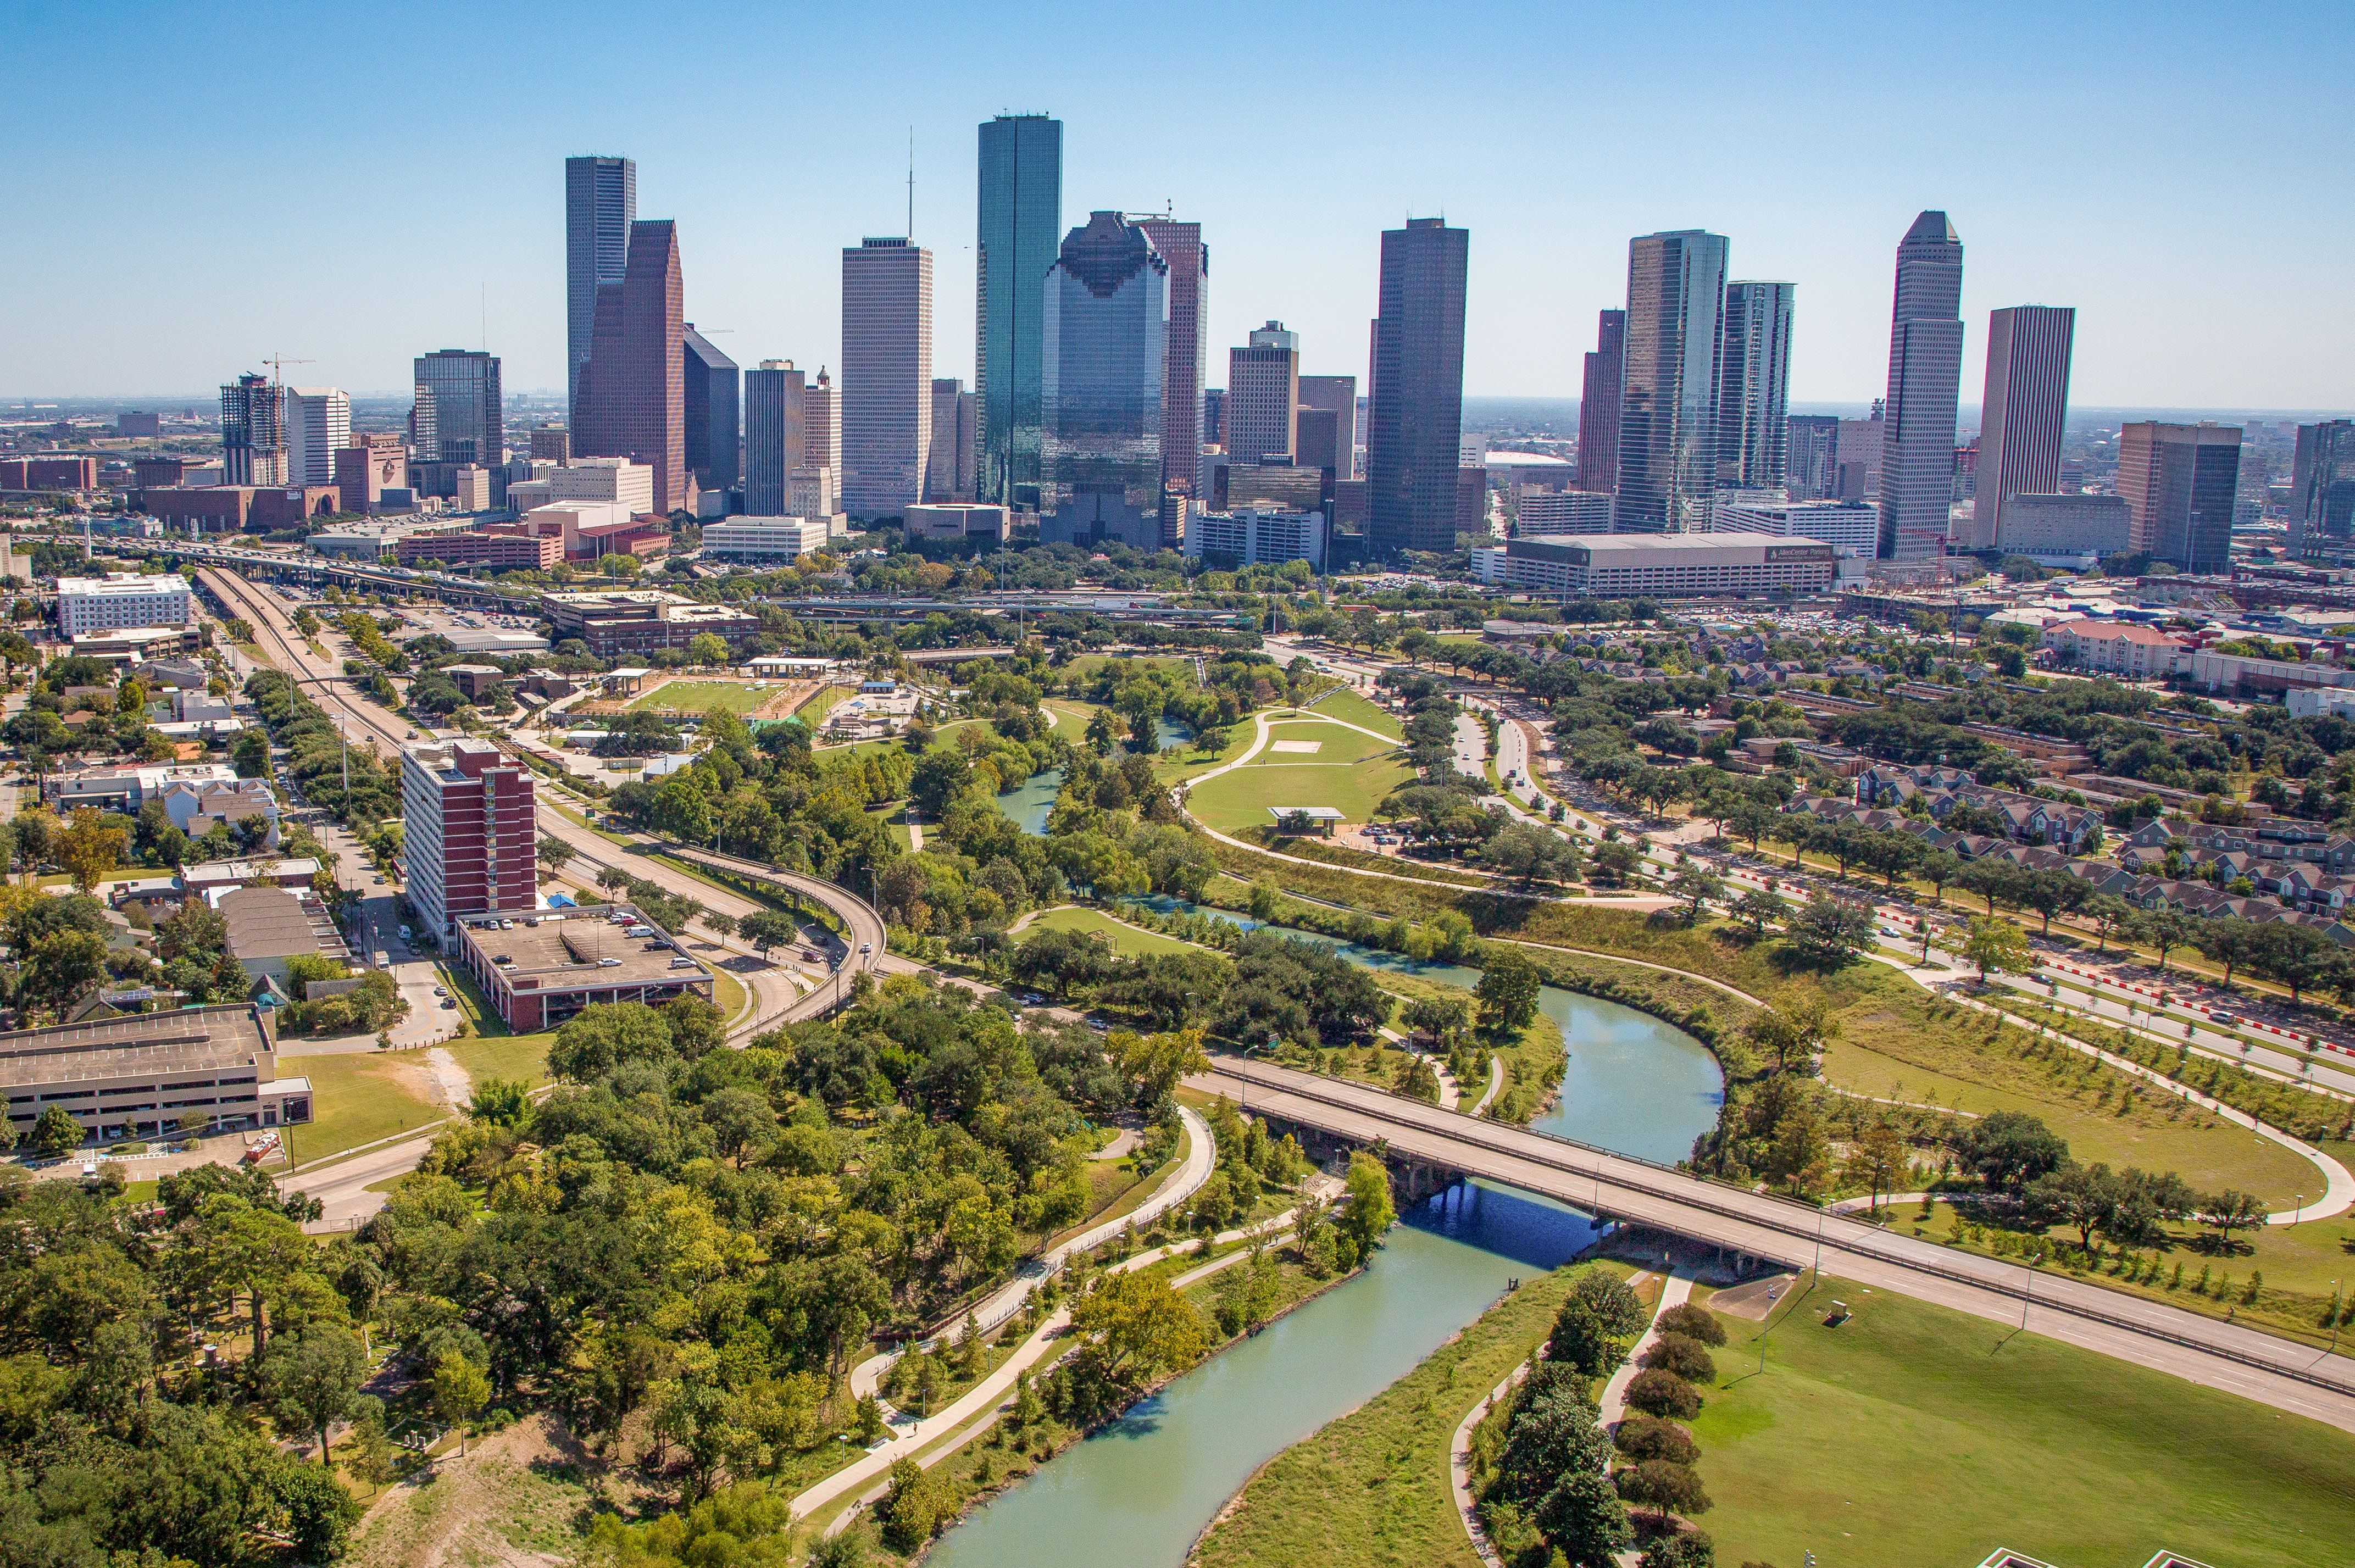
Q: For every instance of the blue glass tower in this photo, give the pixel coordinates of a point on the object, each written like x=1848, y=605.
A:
x=1021, y=224
x=1106, y=312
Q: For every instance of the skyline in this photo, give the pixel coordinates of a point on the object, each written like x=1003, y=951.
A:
x=158, y=282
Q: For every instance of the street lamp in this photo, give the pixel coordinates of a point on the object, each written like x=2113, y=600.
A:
x=2028, y=1293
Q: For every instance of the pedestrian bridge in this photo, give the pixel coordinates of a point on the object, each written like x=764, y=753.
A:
x=1429, y=1146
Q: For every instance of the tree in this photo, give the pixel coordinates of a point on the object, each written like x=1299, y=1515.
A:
x=500, y=1103
x=1997, y=946
x=2297, y=956
x=1657, y=1392
x=319, y=1513
x=1157, y=1062
x=1759, y=908
x=1939, y=867
x=1795, y=1039
x=1641, y=1437
x=459, y=1391
x=2229, y=1211
x=2084, y=1196
x=1528, y=851
x=2054, y=892
x=916, y=1505
x=1369, y=1211
x=1688, y=1359
x=1583, y=1519
x=707, y=648
x=603, y=1035
x=2228, y=941
x=553, y=854
x=2008, y=1149
x=1830, y=932
x=1878, y=1158
x=2109, y=913
x=1139, y=1328
x=1597, y=1321
x=92, y=844
x=722, y=926
x=54, y=1132
x=63, y=966
x=2169, y=929
x=766, y=929
x=1695, y=884
x=368, y=1454
x=1508, y=992
x=1661, y=1486
x=313, y=1378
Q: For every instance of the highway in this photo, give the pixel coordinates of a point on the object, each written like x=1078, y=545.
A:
x=2220, y=1355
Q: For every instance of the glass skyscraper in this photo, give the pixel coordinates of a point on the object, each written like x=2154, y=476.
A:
x=1022, y=224
x=1106, y=313
x=1754, y=387
x=600, y=202
x=1668, y=393
x=711, y=405
x=1925, y=375
x=459, y=417
x=1598, y=404
x=776, y=436
x=1415, y=436
x=2322, y=487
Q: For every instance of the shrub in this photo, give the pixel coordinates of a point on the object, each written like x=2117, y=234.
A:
x=1655, y=1390
x=1688, y=1359
x=1693, y=1322
x=1642, y=1437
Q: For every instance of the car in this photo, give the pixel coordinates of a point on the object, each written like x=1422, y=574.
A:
x=450, y=1005
x=866, y=947
x=2226, y=1018
x=440, y=992
x=378, y=882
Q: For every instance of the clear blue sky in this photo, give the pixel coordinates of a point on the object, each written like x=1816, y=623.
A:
x=194, y=187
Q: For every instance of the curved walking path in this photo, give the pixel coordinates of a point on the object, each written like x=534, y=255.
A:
x=1496, y=1085
x=1613, y=1406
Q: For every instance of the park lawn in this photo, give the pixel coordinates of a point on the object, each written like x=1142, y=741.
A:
x=518, y=1057
x=1185, y=762
x=701, y=696
x=821, y=702
x=1906, y=1436
x=1127, y=940
x=1071, y=716
x=1336, y=746
x=359, y=1098
x=1247, y=796
x=1354, y=708
x=1085, y=666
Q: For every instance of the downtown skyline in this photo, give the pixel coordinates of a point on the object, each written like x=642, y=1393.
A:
x=2203, y=319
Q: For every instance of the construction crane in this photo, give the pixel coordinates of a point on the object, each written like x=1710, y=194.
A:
x=277, y=361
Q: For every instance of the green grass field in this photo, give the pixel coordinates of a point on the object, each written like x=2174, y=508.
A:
x=702, y=696
x=1127, y=940
x=360, y=1098
x=514, y=1056
x=1348, y=772
x=821, y=703
x=1907, y=1435
x=1336, y=746
x=1351, y=708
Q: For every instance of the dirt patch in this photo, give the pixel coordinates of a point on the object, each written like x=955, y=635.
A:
x=453, y=1084
x=1750, y=1300
x=513, y=1501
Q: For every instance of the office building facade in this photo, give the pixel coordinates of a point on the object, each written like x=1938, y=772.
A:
x=318, y=422
x=1107, y=319
x=1262, y=395
x=2322, y=487
x=2073, y=526
x=1253, y=537
x=1754, y=386
x=949, y=471
x=1926, y=373
x=822, y=416
x=467, y=838
x=1598, y=404
x=2180, y=482
x=631, y=399
x=253, y=432
x=760, y=538
x=458, y=415
x=1677, y=566
x=600, y=203
x=1020, y=235
x=1667, y=397
x=709, y=412
x=2022, y=414
x=1540, y=512
x=1336, y=395
x=1850, y=528
x=776, y=436
x=887, y=375
x=1811, y=456
x=1186, y=365
x=1417, y=416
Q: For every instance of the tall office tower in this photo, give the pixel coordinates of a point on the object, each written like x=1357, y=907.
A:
x=2179, y=481
x=458, y=414
x=710, y=409
x=467, y=837
x=1336, y=395
x=632, y=395
x=1188, y=363
x=822, y=413
x=1598, y=405
x=887, y=375
x=1925, y=375
x=1262, y=391
x=253, y=432
x=2322, y=486
x=318, y=422
x=1859, y=456
x=1754, y=387
x=776, y=436
x=1020, y=232
x=551, y=443
x=2022, y=413
x=949, y=471
x=600, y=203
x=1667, y=389
x=1214, y=417
x=1811, y=462
x=1107, y=317
x=1417, y=424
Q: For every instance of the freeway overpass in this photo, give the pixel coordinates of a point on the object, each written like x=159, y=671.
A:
x=1431, y=1146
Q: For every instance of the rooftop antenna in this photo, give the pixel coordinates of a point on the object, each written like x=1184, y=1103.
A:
x=911, y=183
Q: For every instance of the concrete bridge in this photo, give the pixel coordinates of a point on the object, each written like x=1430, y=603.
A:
x=1420, y=1139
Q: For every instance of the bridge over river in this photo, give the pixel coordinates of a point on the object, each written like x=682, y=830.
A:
x=1428, y=1147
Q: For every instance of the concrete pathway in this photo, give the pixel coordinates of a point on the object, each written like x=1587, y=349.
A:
x=1496, y=1086
x=1613, y=1406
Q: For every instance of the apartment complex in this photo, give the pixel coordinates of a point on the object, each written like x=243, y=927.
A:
x=468, y=843
x=1668, y=566
x=121, y=600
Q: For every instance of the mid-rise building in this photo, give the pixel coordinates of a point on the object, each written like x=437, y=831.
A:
x=617, y=621
x=710, y=406
x=1274, y=485
x=1262, y=395
x=1811, y=461
x=1926, y=373
x=632, y=395
x=551, y=443
x=541, y=970
x=1020, y=233
x=366, y=468
x=2322, y=487
x=1184, y=366
x=1671, y=566
x=1336, y=396
x=459, y=415
x=1668, y=398
x=949, y=472
x=468, y=840
x=2022, y=413
x=147, y=1076
x=1754, y=386
x=1417, y=416
x=776, y=436
x=1107, y=300
x=1253, y=537
x=749, y=539
x=2116, y=647
x=2065, y=525
x=2180, y=482
x=120, y=600
x=1851, y=528
x=821, y=418
x=253, y=432
x=1861, y=443
x=601, y=204
x=1598, y=405
x=499, y=552
x=73, y=473
x=961, y=520
x=1541, y=512
x=318, y=424
x=887, y=375
x=810, y=493
x=620, y=481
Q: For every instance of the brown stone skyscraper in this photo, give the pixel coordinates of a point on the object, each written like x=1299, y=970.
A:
x=1182, y=246
x=632, y=393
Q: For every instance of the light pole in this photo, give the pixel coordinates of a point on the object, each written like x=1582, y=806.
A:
x=2028, y=1293
x=1772, y=1292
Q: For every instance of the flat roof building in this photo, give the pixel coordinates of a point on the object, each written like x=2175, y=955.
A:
x=627, y=620
x=763, y=538
x=148, y=1074
x=467, y=838
x=269, y=925
x=122, y=599
x=934, y=521
x=1253, y=537
x=541, y=969
x=2074, y=525
x=1540, y=512
x=1660, y=566
x=1852, y=527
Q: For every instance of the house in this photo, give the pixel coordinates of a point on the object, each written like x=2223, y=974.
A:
x=195, y=808
x=268, y=926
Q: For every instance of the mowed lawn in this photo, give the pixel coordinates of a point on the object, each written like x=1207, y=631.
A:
x=1351, y=708
x=1350, y=770
x=1907, y=1435
x=702, y=696
x=1127, y=940
x=359, y=1098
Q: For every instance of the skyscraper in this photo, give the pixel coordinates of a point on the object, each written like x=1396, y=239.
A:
x=776, y=436
x=1417, y=424
x=632, y=398
x=1754, y=387
x=253, y=432
x=318, y=422
x=711, y=405
x=1336, y=395
x=1262, y=391
x=1107, y=320
x=887, y=375
x=467, y=838
x=1925, y=374
x=1598, y=405
x=1811, y=463
x=2022, y=413
x=822, y=412
x=458, y=414
x=2322, y=487
x=600, y=202
x=1183, y=370
x=1020, y=229
x=949, y=470
x=2179, y=481
x=1667, y=397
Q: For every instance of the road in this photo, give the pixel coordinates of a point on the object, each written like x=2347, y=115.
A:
x=2220, y=1355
